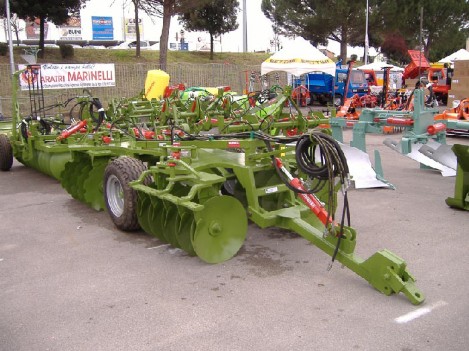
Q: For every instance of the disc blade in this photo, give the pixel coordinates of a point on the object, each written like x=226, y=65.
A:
x=143, y=207
x=169, y=220
x=220, y=229
x=185, y=226
x=93, y=185
x=155, y=218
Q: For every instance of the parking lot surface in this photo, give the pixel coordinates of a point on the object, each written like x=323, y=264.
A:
x=69, y=280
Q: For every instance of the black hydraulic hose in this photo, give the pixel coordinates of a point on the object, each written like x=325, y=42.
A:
x=24, y=127
x=345, y=213
x=332, y=159
x=101, y=114
x=46, y=128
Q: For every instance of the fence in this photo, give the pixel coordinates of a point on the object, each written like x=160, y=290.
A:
x=130, y=79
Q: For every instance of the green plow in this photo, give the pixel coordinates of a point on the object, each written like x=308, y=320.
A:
x=461, y=187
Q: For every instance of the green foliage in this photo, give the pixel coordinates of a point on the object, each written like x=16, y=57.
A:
x=56, y=11
x=3, y=49
x=393, y=25
x=319, y=21
x=66, y=51
x=443, y=24
x=395, y=48
x=217, y=17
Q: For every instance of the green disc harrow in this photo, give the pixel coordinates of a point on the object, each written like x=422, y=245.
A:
x=193, y=171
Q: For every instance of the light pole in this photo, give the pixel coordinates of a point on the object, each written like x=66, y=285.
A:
x=366, y=35
x=10, y=41
x=245, y=28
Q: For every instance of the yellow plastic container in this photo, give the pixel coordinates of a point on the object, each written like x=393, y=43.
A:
x=155, y=84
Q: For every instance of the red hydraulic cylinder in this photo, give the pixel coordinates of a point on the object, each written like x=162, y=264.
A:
x=312, y=202
x=72, y=130
x=435, y=128
x=400, y=121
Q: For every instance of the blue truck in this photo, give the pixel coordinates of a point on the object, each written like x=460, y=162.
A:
x=322, y=89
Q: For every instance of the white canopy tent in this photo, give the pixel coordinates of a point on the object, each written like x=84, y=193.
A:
x=298, y=57
x=378, y=66
x=461, y=54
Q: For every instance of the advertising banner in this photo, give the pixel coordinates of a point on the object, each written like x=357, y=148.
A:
x=33, y=29
x=71, y=30
x=67, y=76
x=102, y=28
x=130, y=29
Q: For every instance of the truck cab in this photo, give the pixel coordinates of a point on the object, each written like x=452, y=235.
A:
x=324, y=88
x=437, y=74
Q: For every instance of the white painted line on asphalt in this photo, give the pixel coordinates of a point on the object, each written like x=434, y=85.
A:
x=408, y=317
x=1, y=259
x=155, y=247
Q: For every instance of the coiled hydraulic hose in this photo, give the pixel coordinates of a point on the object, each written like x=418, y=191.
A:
x=321, y=158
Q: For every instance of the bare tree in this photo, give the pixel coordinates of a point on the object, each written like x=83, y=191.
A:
x=14, y=25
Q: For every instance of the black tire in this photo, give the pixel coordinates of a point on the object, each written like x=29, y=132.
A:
x=119, y=197
x=6, y=153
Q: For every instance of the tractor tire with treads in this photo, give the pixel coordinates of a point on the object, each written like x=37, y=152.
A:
x=119, y=197
x=6, y=153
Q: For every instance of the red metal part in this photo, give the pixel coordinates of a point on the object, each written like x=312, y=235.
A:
x=72, y=130
x=301, y=95
x=400, y=121
x=194, y=105
x=435, y=128
x=309, y=199
x=312, y=202
x=418, y=64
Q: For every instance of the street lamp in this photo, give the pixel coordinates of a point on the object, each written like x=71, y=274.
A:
x=245, y=28
x=10, y=42
x=366, y=35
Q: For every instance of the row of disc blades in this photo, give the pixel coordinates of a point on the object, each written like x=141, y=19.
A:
x=83, y=181
x=215, y=233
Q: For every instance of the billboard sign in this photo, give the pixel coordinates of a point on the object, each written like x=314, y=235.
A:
x=130, y=29
x=102, y=27
x=67, y=76
x=71, y=30
x=33, y=29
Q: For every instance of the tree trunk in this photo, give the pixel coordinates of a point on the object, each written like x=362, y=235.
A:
x=426, y=46
x=42, y=26
x=343, y=45
x=211, y=46
x=137, y=29
x=15, y=26
x=168, y=9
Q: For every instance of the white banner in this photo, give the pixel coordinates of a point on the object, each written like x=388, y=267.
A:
x=70, y=33
x=66, y=76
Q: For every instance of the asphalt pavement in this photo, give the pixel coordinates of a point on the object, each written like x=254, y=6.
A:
x=69, y=280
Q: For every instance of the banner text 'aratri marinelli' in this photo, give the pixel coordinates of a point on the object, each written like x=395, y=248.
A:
x=65, y=76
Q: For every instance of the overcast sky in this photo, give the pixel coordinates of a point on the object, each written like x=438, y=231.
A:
x=259, y=27
x=260, y=31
